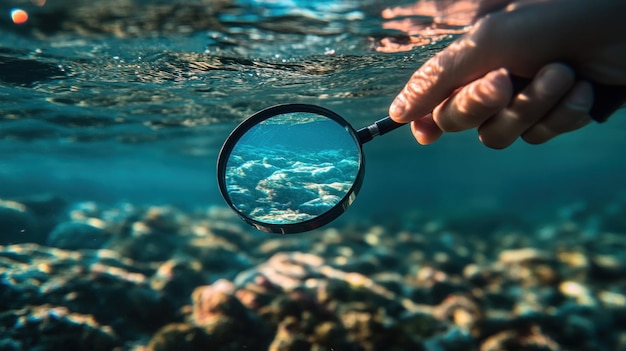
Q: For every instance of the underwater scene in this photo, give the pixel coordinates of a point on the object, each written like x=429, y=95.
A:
x=114, y=234
x=290, y=168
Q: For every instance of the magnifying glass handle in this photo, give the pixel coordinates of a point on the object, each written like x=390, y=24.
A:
x=380, y=127
x=606, y=98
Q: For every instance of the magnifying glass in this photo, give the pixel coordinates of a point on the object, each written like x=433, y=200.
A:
x=295, y=167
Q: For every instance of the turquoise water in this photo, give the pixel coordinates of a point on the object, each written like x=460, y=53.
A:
x=121, y=108
x=114, y=234
x=291, y=168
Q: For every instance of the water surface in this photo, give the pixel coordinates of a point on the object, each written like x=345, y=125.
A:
x=131, y=100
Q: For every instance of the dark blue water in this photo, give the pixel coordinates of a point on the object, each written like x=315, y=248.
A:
x=114, y=104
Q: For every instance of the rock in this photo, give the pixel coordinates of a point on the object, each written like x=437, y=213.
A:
x=523, y=256
x=212, y=302
x=18, y=224
x=461, y=310
x=78, y=235
x=577, y=291
x=51, y=328
x=163, y=219
x=431, y=286
x=83, y=210
x=146, y=248
x=357, y=287
x=256, y=294
x=532, y=339
x=114, y=290
x=476, y=275
x=48, y=209
x=451, y=339
x=177, y=278
x=222, y=316
x=608, y=266
x=218, y=257
x=181, y=336
x=414, y=328
x=44, y=205
x=330, y=335
x=584, y=328
x=365, y=324
x=289, y=337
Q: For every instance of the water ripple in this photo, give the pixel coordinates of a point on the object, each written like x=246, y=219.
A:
x=139, y=72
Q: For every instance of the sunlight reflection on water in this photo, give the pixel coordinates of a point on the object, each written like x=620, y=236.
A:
x=108, y=99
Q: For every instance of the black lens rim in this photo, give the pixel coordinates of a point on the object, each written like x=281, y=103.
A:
x=310, y=224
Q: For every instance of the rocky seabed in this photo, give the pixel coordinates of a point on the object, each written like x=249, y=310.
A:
x=85, y=276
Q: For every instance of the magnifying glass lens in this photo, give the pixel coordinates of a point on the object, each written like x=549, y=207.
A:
x=291, y=171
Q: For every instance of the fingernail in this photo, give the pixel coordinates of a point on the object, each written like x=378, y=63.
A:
x=397, y=107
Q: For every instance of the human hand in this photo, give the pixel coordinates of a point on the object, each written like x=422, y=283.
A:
x=465, y=85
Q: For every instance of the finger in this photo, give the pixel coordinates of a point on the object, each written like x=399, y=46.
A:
x=571, y=114
x=425, y=130
x=432, y=83
x=468, y=58
x=500, y=39
x=475, y=103
x=534, y=102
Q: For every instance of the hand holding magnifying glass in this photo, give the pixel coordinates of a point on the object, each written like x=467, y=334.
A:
x=295, y=167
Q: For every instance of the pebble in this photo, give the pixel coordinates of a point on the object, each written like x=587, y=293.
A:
x=18, y=224
x=533, y=339
x=49, y=327
x=78, y=235
x=522, y=256
x=161, y=279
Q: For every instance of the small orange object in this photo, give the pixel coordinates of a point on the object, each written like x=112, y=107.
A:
x=19, y=16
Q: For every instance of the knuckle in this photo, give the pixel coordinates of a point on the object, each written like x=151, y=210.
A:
x=487, y=29
x=414, y=88
x=508, y=32
x=423, y=79
x=461, y=112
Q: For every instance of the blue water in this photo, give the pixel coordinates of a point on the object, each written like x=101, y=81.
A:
x=114, y=109
x=278, y=184
x=295, y=133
